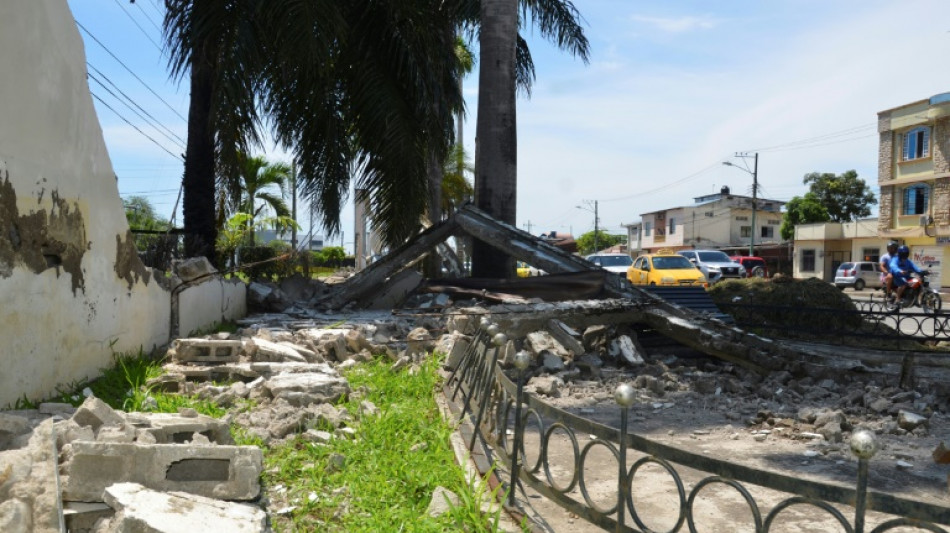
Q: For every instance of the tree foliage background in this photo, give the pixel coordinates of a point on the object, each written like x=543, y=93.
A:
x=586, y=244
x=830, y=197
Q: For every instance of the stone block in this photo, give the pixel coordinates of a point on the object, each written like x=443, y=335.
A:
x=207, y=350
x=317, y=386
x=454, y=345
x=225, y=472
x=272, y=351
x=142, y=510
x=11, y=427
x=96, y=413
x=627, y=349
x=171, y=428
x=194, y=268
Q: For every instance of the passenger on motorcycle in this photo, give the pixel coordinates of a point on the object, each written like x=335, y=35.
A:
x=887, y=279
x=901, y=266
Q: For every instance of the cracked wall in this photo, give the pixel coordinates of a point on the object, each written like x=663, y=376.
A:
x=72, y=289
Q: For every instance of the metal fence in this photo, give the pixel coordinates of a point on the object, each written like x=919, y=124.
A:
x=870, y=319
x=500, y=412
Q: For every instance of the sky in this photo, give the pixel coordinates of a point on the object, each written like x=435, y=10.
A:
x=672, y=90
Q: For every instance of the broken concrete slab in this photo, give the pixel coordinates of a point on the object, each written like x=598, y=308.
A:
x=453, y=345
x=193, y=268
x=11, y=427
x=394, y=292
x=141, y=510
x=309, y=387
x=271, y=351
x=566, y=335
x=96, y=413
x=538, y=342
x=29, y=486
x=170, y=428
x=627, y=350
x=226, y=472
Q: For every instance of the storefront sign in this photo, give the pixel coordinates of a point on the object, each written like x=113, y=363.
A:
x=929, y=258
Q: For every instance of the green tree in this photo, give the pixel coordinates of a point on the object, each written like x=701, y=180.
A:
x=586, y=242
x=802, y=210
x=252, y=189
x=141, y=215
x=846, y=197
x=359, y=90
x=456, y=188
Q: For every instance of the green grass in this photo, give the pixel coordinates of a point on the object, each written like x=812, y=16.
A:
x=391, y=468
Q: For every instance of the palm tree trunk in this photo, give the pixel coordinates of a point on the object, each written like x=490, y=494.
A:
x=198, y=183
x=496, y=136
x=432, y=268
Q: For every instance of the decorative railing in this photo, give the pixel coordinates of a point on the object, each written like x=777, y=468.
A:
x=500, y=412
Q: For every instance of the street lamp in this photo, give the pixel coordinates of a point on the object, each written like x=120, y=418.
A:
x=596, y=232
x=755, y=187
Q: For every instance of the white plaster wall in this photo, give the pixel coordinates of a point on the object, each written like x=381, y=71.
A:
x=52, y=333
x=215, y=300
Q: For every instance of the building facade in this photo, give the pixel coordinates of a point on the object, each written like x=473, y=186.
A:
x=914, y=179
x=719, y=221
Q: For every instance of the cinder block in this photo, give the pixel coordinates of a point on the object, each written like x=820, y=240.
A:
x=207, y=350
x=223, y=472
x=169, y=428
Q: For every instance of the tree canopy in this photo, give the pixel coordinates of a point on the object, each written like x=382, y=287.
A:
x=587, y=244
x=846, y=197
x=141, y=215
x=803, y=210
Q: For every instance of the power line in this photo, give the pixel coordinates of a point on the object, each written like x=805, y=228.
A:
x=816, y=140
x=94, y=95
x=129, y=98
x=104, y=47
x=139, y=26
x=179, y=144
x=147, y=16
x=667, y=185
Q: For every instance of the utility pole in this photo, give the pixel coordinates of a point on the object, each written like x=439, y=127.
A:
x=755, y=189
x=596, y=229
x=527, y=226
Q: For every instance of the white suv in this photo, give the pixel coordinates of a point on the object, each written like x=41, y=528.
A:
x=708, y=261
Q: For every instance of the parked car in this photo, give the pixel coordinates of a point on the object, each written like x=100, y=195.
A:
x=616, y=263
x=665, y=268
x=525, y=270
x=706, y=259
x=858, y=275
x=755, y=267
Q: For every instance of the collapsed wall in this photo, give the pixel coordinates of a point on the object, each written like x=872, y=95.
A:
x=71, y=284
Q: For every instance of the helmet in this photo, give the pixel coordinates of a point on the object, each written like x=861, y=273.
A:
x=903, y=252
x=892, y=247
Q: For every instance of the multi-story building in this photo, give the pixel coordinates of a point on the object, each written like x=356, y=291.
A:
x=914, y=177
x=720, y=221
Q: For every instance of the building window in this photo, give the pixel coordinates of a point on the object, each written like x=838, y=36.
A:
x=808, y=260
x=646, y=229
x=915, y=199
x=916, y=144
x=871, y=254
x=768, y=232
x=672, y=226
x=745, y=231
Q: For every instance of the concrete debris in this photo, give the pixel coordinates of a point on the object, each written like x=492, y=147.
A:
x=909, y=421
x=205, y=350
x=443, y=501
x=546, y=385
x=419, y=343
x=193, y=268
x=539, y=342
x=141, y=510
x=627, y=350
x=12, y=427
x=28, y=487
x=566, y=336
x=453, y=345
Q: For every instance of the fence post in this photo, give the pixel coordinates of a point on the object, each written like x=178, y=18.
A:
x=624, y=396
x=498, y=340
x=521, y=361
x=864, y=446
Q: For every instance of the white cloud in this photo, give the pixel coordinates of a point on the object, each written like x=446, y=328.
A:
x=677, y=24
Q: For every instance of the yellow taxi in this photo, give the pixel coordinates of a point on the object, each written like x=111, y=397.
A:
x=526, y=271
x=665, y=268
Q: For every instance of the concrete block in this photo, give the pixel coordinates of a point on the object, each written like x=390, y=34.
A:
x=170, y=428
x=271, y=351
x=96, y=413
x=225, y=472
x=141, y=510
x=193, y=268
x=310, y=387
x=207, y=350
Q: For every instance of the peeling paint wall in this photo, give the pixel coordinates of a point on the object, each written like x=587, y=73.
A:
x=71, y=285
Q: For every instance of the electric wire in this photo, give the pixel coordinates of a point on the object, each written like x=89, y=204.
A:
x=133, y=102
x=665, y=187
x=147, y=136
x=817, y=140
x=180, y=144
x=104, y=47
x=147, y=16
x=139, y=26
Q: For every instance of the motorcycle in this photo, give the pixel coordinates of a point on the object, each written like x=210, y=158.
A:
x=919, y=293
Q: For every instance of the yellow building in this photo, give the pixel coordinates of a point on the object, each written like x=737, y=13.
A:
x=914, y=178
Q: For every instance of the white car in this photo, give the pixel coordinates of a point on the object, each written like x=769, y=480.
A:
x=616, y=263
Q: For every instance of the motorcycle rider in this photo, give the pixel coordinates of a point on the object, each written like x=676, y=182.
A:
x=887, y=279
x=901, y=267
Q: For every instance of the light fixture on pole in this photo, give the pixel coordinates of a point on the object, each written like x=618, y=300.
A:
x=755, y=187
x=596, y=227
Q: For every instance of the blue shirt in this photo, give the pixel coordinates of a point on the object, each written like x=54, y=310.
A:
x=899, y=265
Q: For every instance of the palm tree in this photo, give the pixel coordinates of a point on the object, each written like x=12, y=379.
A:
x=509, y=66
x=257, y=178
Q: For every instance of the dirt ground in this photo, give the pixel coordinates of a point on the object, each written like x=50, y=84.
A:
x=712, y=408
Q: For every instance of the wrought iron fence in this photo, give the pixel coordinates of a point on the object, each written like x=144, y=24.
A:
x=500, y=412
x=871, y=319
